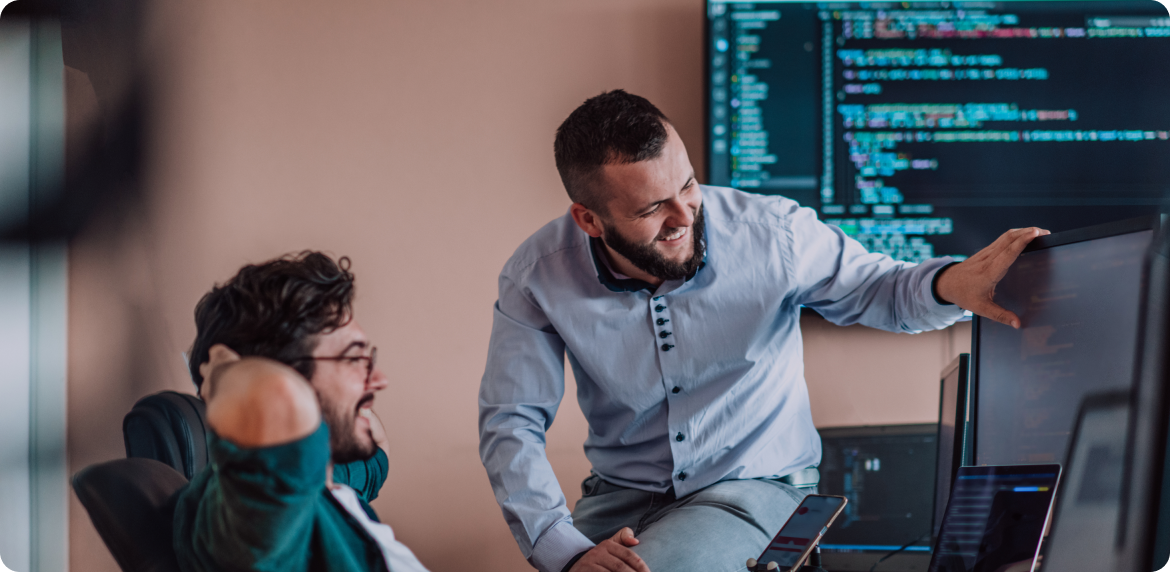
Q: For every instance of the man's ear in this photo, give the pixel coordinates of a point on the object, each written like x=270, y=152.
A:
x=586, y=219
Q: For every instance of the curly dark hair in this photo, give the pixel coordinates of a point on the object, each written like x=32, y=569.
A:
x=275, y=310
x=615, y=127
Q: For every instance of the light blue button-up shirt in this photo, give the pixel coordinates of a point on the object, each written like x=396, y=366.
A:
x=697, y=382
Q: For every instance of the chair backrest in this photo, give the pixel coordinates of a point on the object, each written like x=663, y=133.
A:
x=132, y=505
x=169, y=427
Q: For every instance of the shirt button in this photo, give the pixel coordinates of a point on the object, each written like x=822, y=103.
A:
x=663, y=334
x=680, y=437
x=666, y=347
x=682, y=476
x=676, y=389
x=659, y=308
x=661, y=321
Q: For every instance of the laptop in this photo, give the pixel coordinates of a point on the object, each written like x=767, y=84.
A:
x=995, y=519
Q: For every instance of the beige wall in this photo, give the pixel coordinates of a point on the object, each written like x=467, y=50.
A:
x=416, y=138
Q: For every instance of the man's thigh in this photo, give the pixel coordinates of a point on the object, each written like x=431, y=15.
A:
x=718, y=528
x=606, y=508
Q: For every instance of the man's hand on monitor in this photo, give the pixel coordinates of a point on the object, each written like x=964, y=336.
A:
x=971, y=284
x=612, y=555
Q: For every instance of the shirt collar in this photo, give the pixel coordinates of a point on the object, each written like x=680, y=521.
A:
x=625, y=284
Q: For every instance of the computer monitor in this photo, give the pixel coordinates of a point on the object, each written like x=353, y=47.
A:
x=887, y=473
x=952, y=433
x=929, y=128
x=1087, y=517
x=1079, y=298
x=1143, y=541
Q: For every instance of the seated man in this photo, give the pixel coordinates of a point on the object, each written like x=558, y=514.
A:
x=289, y=379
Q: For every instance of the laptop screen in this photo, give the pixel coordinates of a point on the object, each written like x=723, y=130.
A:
x=995, y=518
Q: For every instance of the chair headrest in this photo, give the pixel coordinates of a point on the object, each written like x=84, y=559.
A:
x=169, y=427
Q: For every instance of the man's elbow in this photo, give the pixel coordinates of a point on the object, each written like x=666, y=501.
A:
x=261, y=403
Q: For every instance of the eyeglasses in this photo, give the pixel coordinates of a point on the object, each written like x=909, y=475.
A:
x=370, y=360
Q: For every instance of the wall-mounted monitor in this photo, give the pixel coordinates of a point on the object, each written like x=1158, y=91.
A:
x=929, y=128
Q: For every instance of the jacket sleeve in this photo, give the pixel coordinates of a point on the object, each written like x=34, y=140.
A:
x=366, y=477
x=257, y=511
x=521, y=390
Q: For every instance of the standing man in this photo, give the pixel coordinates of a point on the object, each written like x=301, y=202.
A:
x=678, y=306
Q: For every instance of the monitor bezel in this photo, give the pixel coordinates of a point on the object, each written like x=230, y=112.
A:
x=1095, y=232
x=875, y=430
x=962, y=365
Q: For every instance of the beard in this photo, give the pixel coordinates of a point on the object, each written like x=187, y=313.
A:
x=345, y=444
x=648, y=259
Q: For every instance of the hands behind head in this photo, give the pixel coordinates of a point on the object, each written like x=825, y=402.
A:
x=256, y=402
x=971, y=284
x=612, y=555
x=219, y=355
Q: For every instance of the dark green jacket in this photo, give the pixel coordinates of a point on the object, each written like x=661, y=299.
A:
x=269, y=509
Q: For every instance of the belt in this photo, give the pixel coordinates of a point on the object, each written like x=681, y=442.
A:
x=803, y=479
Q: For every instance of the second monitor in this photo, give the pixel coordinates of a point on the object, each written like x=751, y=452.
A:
x=887, y=473
x=1078, y=296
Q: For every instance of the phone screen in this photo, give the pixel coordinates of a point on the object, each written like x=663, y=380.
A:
x=803, y=529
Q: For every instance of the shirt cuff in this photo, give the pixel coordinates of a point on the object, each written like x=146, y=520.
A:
x=934, y=285
x=557, y=546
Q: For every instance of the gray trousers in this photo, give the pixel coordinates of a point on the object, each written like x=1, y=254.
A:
x=713, y=530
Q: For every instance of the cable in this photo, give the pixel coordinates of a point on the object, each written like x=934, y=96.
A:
x=904, y=547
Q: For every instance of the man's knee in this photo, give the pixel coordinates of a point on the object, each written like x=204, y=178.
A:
x=719, y=527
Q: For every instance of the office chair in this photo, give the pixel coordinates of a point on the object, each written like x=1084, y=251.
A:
x=169, y=427
x=132, y=504
x=131, y=501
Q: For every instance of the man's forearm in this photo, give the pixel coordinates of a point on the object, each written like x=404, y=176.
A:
x=256, y=402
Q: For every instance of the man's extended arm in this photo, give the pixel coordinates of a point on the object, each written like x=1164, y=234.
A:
x=836, y=276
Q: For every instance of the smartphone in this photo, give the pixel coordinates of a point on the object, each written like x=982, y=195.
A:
x=797, y=538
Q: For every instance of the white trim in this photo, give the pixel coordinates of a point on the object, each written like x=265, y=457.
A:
x=15, y=296
x=48, y=273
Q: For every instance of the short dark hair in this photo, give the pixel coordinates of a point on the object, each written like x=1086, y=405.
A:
x=612, y=128
x=275, y=310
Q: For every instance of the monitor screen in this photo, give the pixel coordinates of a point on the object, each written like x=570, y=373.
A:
x=887, y=473
x=1079, y=306
x=929, y=128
